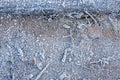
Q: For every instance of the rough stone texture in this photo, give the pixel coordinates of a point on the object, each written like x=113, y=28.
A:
x=36, y=6
x=66, y=46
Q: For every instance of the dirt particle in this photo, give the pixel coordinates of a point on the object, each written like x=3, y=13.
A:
x=33, y=61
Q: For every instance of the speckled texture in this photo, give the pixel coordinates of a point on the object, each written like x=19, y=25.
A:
x=64, y=46
x=36, y=6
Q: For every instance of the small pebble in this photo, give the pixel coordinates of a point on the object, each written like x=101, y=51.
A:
x=49, y=20
x=64, y=75
x=70, y=59
x=66, y=26
x=40, y=65
x=0, y=25
x=15, y=22
x=78, y=63
x=1, y=17
x=80, y=26
x=30, y=76
x=33, y=61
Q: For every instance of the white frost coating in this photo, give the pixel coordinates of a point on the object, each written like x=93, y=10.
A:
x=114, y=22
x=91, y=53
x=44, y=69
x=0, y=25
x=21, y=53
x=32, y=35
x=64, y=75
x=65, y=54
x=39, y=65
x=81, y=26
x=30, y=76
x=66, y=26
x=43, y=54
x=25, y=6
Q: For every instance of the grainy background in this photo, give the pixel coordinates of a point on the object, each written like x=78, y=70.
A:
x=66, y=46
x=59, y=40
x=27, y=6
